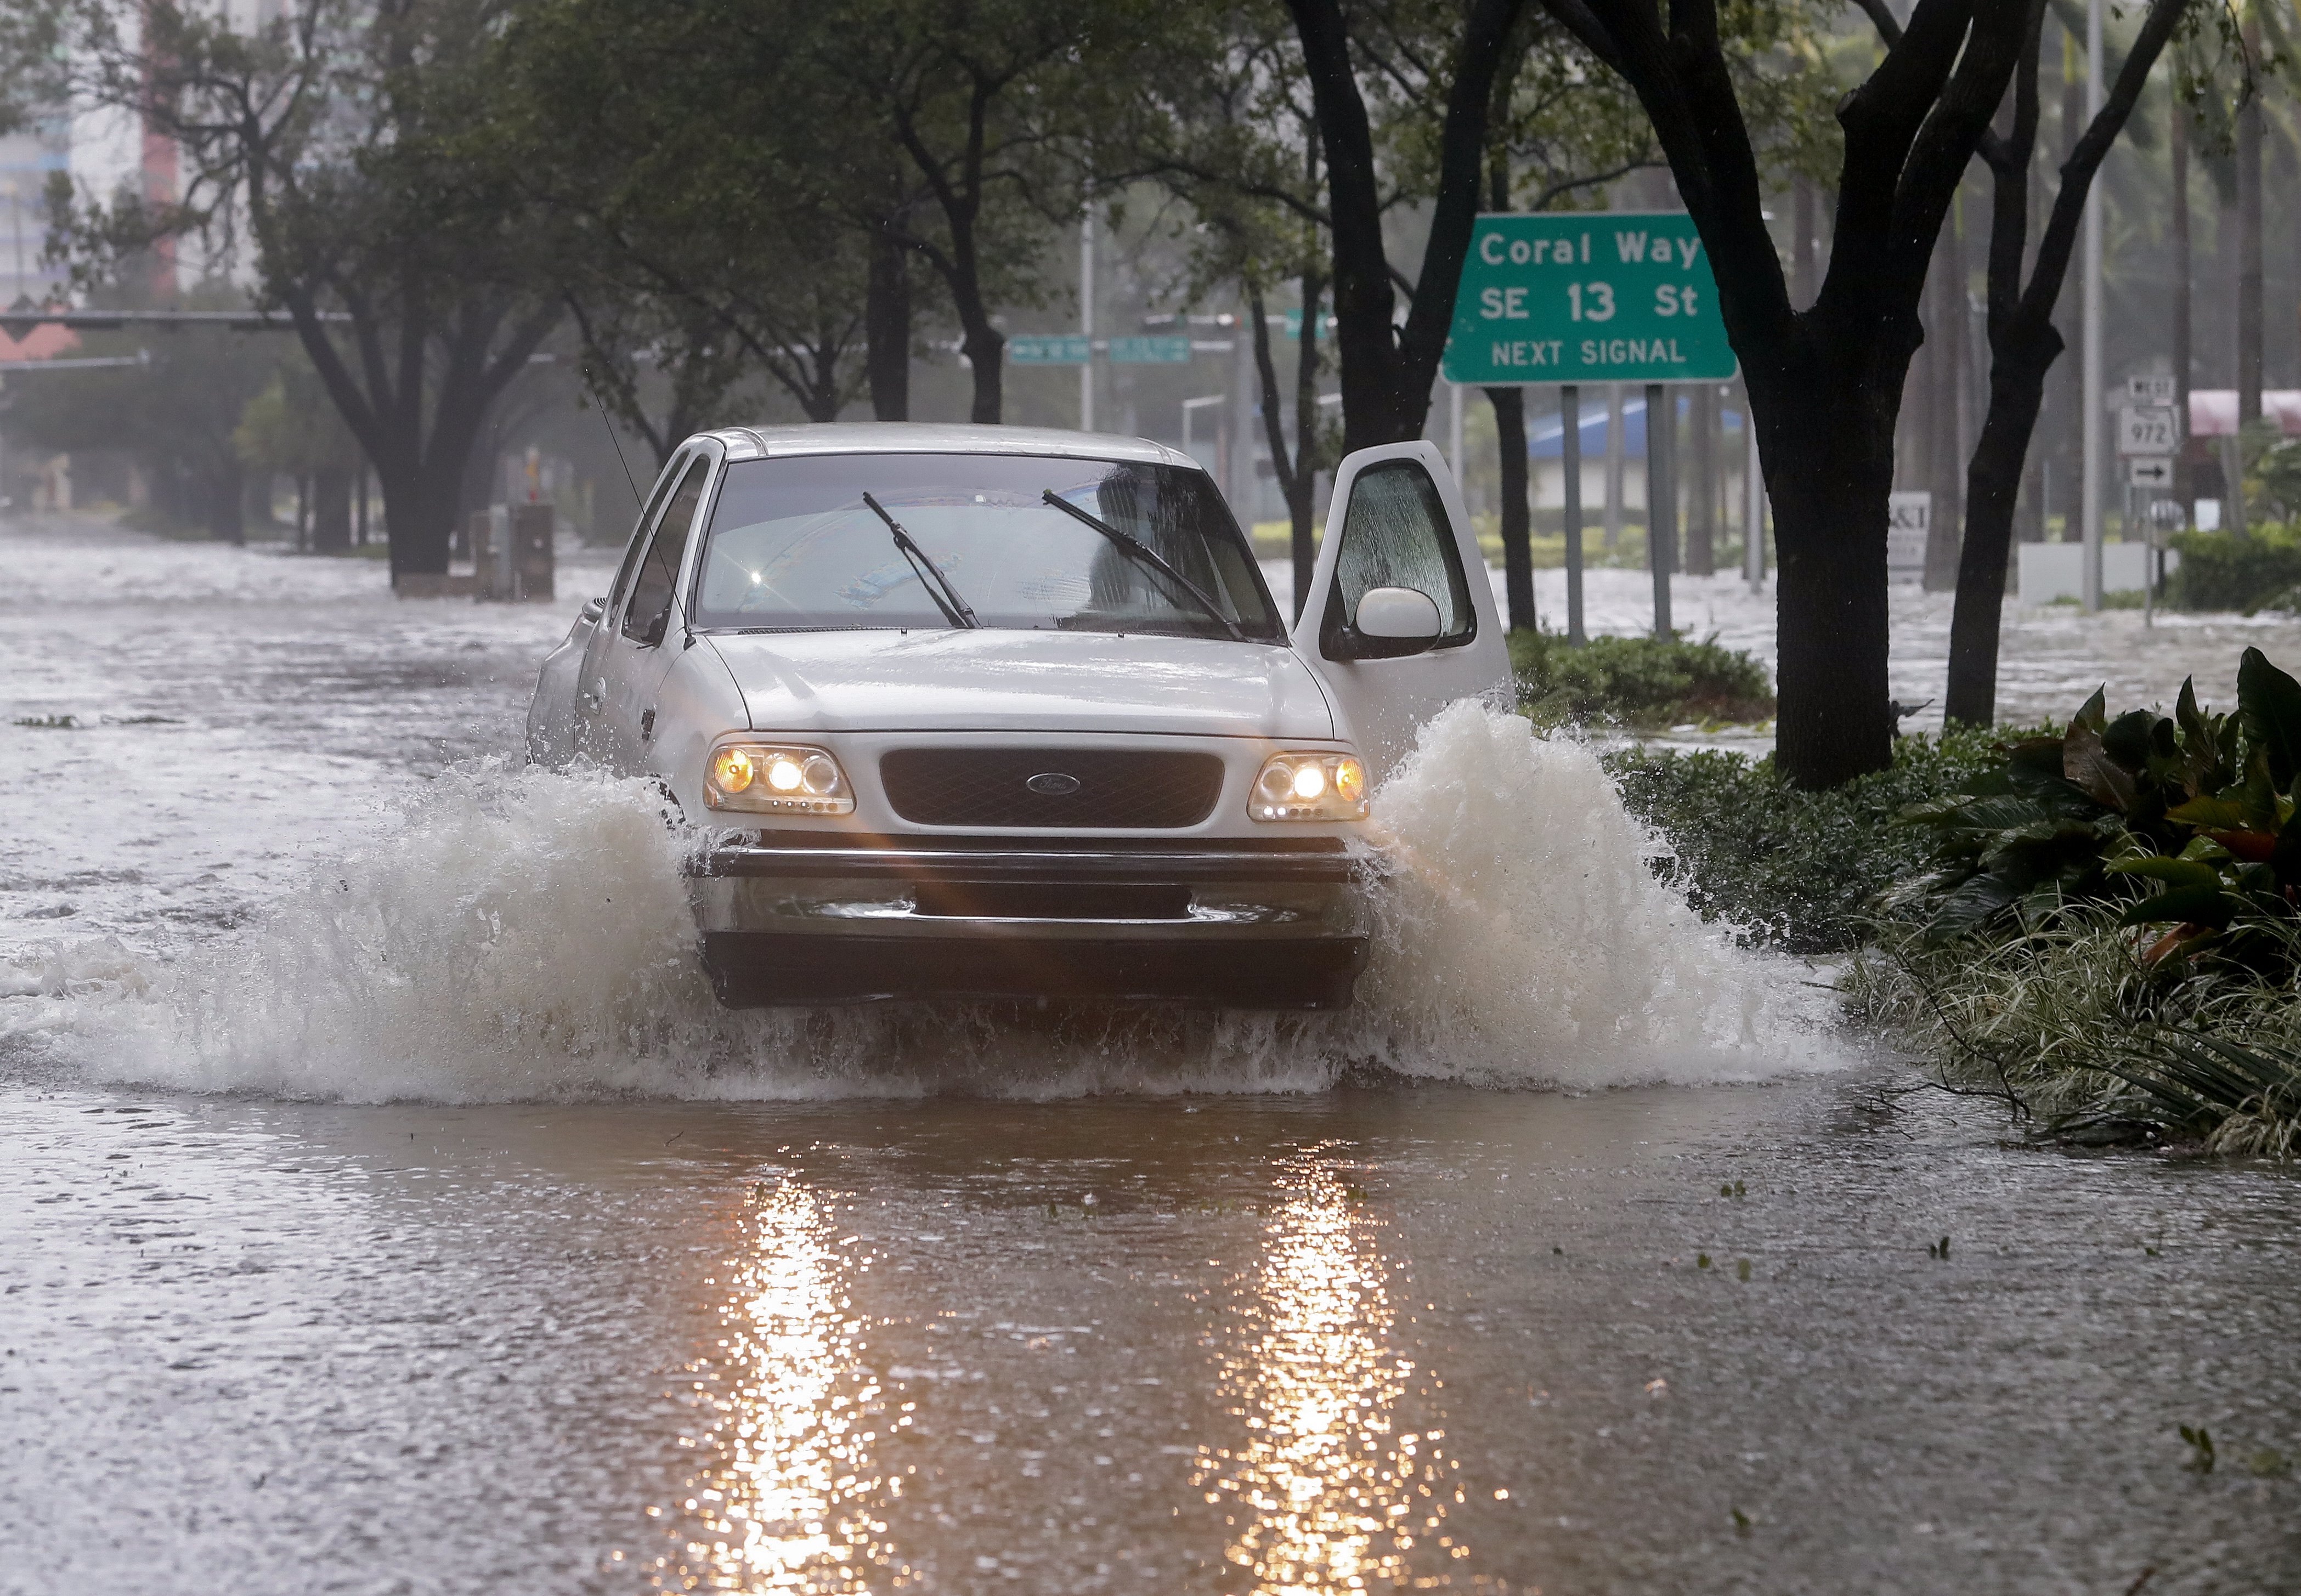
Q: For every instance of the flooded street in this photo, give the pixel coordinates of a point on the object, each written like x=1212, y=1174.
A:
x=382, y=1214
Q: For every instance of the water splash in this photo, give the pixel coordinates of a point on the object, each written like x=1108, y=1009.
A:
x=525, y=935
x=1526, y=937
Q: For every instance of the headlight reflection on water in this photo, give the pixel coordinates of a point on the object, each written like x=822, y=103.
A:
x=1325, y=1494
x=783, y=1500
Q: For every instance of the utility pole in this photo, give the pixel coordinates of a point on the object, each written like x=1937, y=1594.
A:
x=2089, y=393
x=1086, y=320
x=2185, y=487
x=1244, y=415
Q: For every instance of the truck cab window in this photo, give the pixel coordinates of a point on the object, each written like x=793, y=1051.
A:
x=659, y=573
x=1395, y=535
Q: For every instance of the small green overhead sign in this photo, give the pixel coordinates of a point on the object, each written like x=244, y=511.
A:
x=1048, y=349
x=1587, y=296
x=1162, y=349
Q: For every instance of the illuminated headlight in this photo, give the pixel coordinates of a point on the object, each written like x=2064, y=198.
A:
x=1309, y=787
x=776, y=778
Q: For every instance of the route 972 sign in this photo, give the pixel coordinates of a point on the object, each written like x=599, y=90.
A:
x=1586, y=296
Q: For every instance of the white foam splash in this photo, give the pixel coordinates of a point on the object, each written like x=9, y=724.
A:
x=525, y=935
x=1525, y=937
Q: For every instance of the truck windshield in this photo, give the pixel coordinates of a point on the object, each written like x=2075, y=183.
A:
x=793, y=546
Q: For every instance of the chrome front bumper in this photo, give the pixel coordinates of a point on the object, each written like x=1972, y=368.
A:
x=805, y=918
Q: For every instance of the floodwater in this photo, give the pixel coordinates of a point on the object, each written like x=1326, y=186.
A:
x=382, y=1214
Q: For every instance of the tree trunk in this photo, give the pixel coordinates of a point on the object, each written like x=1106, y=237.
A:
x=2023, y=345
x=1302, y=481
x=1805, y=283
x=1702, y=484
x=2069, y=398
x=2017, y=392
x=960, y=200
x=1825, y=383
x=985, y=348
x=887, y=331
x=227, y=507
x=1518, y=530
x=419, y=518
x=331, y=511
x=1387, y=371
x=417, y=418
x=1828, y=456
x=1946, y=344
x=1297, y=471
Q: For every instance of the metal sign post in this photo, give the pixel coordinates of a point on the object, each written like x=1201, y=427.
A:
x=1753, y=501
x=1661, y=499
x=2148, y=433
x=1571, y=297
x=1570, y=453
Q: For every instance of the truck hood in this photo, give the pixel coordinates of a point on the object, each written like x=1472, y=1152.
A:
x=997, y=680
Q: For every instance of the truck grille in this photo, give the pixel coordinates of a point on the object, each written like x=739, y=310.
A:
x=1113, y=788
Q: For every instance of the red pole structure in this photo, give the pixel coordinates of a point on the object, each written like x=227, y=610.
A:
x=161, y=171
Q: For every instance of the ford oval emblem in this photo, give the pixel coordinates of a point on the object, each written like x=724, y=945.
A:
x=1053, y=783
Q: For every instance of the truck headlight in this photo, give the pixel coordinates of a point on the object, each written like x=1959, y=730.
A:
x=1309, y=787
x=776, y=778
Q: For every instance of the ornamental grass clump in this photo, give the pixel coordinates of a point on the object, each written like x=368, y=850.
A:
x=2193, y=805
x=2110, y=923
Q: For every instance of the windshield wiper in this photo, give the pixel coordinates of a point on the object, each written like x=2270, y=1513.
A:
x=946, y=597
x=1149, y=556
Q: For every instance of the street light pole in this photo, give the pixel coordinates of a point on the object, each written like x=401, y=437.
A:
x=1086, y=320
x=2090, y=388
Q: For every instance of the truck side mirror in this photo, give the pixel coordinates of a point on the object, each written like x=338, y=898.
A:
x=1392, y=623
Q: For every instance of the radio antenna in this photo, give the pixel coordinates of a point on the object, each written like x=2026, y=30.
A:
x=592, y=383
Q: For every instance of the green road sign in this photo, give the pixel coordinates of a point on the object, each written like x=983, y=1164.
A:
x=1587, y=296
x=1047, y=350
x=1165, y=349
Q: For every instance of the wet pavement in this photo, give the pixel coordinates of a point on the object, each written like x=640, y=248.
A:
x=1179, y=1324
x=1429, y=1338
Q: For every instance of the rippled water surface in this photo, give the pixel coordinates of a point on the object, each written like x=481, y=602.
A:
x=381, y=1213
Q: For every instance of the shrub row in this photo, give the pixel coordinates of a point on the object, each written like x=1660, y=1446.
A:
x=1639, y=681
x=1797, y=870
x=2220, y=570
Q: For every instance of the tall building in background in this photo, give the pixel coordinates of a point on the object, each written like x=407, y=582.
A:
x=26, y=159
x=110, y=151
